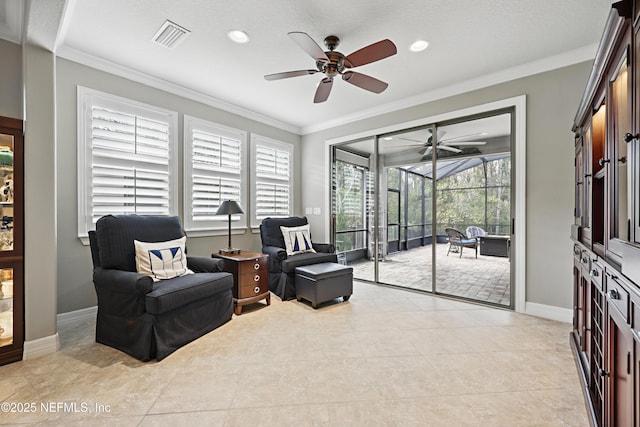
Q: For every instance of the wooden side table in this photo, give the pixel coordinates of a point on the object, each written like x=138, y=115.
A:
x=250, y=277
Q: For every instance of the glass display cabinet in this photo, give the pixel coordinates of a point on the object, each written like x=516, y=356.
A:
x=11, y=241
x=606, y=230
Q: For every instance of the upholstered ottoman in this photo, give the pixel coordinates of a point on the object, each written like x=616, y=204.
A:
x=322, y=282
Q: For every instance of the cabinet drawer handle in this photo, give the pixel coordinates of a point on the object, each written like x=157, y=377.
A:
x=584, y=260
x=256, y=278
x=613, y=294
x=256, y=266
x=595, y=273
x=256, y=289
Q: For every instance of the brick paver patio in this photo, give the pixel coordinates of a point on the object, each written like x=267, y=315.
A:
x=485, y=279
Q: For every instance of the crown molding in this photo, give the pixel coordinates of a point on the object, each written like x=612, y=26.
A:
x=565, y=59
x=101, y=64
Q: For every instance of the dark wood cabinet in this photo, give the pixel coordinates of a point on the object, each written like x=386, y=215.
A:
x=11, y=241
x=620, y=369
x=606, y=228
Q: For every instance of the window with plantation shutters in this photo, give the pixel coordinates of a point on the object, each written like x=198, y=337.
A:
x=213, y=172
x=126, y=158
x=271, y=179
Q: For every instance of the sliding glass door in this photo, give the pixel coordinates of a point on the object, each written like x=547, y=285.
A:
x=442, y=220
x=473, y=176
x=353, y=205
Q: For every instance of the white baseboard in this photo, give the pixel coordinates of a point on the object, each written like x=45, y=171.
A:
x=79, y=316
x=40, y=347
x=47, y=345
x=549, y=312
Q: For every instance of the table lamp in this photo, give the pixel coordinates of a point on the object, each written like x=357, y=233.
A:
x=229, y=207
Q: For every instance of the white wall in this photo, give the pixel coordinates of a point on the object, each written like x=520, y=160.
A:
x=552, y=100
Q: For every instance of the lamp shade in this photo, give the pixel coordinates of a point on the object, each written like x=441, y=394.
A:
x=229, y=207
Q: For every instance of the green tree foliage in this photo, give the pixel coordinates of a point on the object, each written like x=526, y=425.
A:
x=461, y=198
x=349, y=204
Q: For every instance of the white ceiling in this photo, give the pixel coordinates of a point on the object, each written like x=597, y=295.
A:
x=471, y=42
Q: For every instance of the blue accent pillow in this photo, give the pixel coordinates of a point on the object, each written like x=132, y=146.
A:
x=297, y=240
x=162, y=260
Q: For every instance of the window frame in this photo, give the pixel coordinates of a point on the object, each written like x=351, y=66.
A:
x=218, y=226
x=86, y=99
x=259, y=140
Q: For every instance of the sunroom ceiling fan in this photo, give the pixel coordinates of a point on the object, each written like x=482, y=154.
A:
x=333, y=63
x=451, y=145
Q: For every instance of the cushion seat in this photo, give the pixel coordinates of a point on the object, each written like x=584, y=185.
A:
x=171, y=294
x=290, y=264
x=468, y=241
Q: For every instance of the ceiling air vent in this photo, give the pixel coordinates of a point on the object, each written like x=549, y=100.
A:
x=170, y=34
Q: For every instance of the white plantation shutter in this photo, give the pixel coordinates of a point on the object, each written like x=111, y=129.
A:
x=272, y=179
x=213, y=173
x=125, y=158
x=271, y=200
x=272, y=163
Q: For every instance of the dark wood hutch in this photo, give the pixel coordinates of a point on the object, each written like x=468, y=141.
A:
x=606, y=231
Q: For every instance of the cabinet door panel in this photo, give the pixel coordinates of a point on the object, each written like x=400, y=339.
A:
x=620, y=400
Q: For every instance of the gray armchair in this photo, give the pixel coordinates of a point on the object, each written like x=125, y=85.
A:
x=281, y=266
x=148, y=319
x=458, y=240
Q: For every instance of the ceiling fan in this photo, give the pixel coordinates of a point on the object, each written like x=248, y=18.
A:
x=451, y=145
x=333, y=63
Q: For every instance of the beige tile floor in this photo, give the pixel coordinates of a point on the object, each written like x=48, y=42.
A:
x=387, y=357
x=485, y=278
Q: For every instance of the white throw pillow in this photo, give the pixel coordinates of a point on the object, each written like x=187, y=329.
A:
x=162, y=260
x=297, y=240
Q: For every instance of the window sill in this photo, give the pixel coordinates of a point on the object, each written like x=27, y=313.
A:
x=211, y=233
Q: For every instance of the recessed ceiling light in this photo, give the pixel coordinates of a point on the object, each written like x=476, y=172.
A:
x=419, y=46
x=238, y=36
x=387, y=138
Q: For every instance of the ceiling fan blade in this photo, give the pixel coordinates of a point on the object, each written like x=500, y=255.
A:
x=461, y=143
x=412, y=140
x=323, y=90
x=452, y=149
x=372, y=53
x=287, y=74
x=463, y=137
x=365, y=82
x=308, y=45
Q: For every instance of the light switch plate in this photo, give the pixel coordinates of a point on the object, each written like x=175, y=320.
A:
x=317, y=211
x=308, y=211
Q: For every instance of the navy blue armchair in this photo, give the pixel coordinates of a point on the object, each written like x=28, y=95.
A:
x=282, y=266
x=148, y=319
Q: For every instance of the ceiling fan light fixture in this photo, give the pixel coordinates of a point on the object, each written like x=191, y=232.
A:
x=238, y=36
x=419, y=46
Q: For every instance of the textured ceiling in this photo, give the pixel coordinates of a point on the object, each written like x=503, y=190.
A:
x=469, y=39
